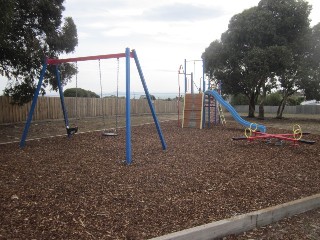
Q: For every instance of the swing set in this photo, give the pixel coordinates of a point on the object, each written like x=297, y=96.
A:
x=127, y=55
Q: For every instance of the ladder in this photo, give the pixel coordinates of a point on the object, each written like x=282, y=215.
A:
x=221, y=115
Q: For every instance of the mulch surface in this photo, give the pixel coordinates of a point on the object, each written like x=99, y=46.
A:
x=81, y=188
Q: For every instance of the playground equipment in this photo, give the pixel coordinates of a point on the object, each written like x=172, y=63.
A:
x=203, y=108
x=193, y=102
x=193, y=76
x=200, y=109
x=180, y=71
x=127, y=55
x=233, y=112
x=212, y=108
x=189, y=84
x=193, y=110
x=251, y=133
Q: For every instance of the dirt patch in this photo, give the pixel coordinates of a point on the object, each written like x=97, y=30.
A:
x=80, y=188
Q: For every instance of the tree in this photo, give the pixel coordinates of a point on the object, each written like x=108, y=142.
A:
x=263, y=45
x=239, y=60
x=79, y=92
x=30, y=32
x=273, y=99
x=291, y=26
x=239, y=99
x=310, y=77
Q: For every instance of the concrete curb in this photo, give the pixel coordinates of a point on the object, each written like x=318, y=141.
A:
x=245, y=222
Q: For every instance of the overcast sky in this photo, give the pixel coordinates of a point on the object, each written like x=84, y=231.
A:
x=164, y=33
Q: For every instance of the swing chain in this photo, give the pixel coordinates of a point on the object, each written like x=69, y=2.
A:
x=101, y=96
x=76, y=105
x=117, y=106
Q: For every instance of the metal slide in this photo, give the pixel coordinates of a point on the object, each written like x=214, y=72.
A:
x=234, y=113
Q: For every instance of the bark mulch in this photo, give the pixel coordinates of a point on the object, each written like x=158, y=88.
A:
x=80, y=188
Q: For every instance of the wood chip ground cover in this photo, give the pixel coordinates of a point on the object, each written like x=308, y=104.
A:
x=80, y=188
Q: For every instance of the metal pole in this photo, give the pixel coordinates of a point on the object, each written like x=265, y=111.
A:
x=164, y=145
x=128, y=109
x=178, y=100
x=203, y=80
x=185, y=77
x=65, y=114
x=204, y=98
x=209, y=110
x=191, y=82
x=219, y=91
x=33, y=105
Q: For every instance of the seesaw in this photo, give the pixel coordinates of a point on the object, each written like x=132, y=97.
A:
x=295, y=137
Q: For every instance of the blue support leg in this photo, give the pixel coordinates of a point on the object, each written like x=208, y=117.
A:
x=164, y=145
x=204, y=112
x=128, y=109
x=204, y=99
x=33, y=105
x=209, y=111
x=65, y=113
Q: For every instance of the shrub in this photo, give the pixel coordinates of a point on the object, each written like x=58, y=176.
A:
x=79, y=92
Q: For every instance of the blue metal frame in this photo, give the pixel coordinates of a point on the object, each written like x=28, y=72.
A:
x=204, y=97
x=33, y=105
x=127, y=55
x=64, y=110
x=135, y=57
x=128, y=110
x=209, y=111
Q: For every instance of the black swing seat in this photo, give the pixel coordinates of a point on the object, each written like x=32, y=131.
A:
x=71, y=131
x=107, y=134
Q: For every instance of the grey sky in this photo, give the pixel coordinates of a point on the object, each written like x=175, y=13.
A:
x=163, y=32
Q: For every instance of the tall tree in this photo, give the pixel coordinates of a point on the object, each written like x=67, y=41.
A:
x=30, y=32
x=263, y=46
x=240, y=60
x=290, y=20
x=310, y=74
x=80, y=92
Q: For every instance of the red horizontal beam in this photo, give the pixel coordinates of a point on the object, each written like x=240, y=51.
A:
x=88, y=58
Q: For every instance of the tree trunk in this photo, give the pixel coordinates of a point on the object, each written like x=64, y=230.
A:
x=261, y=111
x=282, y=106
x=252, y=106
x=261, y=105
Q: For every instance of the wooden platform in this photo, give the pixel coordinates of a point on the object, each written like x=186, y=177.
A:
x=192, y=112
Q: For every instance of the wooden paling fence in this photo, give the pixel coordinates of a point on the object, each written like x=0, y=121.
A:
x=48, y=108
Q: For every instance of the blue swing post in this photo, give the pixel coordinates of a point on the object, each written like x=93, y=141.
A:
x=203, y=90
x=128, y=109
x=33, y=105
x=164, y=145
x=65, y=113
